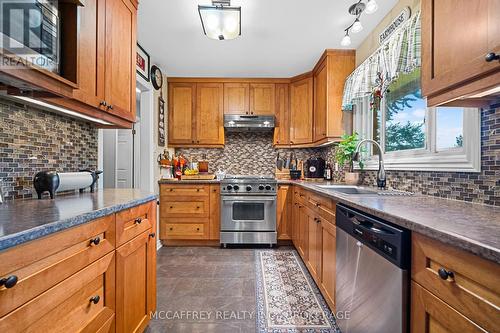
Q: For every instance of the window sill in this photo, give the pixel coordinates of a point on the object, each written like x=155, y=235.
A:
x=436, y=162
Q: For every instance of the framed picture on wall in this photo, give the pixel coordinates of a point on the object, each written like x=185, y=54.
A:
x=161, y=121
x=142, y=63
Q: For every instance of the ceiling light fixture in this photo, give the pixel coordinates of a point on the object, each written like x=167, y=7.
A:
x=220, y=21
x=371, y=7
x=346, y=41
x=357, y=9
x=356, y=26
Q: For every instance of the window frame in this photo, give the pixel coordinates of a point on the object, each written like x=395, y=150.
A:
x=464, y=159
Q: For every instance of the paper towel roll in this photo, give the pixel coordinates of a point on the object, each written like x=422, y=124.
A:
x=74, y=181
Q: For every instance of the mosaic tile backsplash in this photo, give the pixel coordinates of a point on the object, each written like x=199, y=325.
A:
x=33, y=140
x=247, y=154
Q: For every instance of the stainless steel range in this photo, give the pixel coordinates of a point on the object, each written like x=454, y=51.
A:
x=248, y=210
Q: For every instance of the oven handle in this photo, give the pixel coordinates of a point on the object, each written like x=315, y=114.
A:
x=248, y=198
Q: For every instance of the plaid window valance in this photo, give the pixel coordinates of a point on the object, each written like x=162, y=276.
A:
x=399, y=54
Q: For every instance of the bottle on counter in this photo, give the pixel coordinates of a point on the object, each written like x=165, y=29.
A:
x=203, y=164
x=328, y=172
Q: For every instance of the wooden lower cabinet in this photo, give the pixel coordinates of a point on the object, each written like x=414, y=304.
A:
x=77, y=281
x=71, y=305
x=284, y=212
x=314, y=237
x=328, y=261
x=429, y=314
x=135, y=283
x=189, y=212
x=314, y=245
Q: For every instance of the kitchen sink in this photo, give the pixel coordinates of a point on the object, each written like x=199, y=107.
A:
x=348, y=189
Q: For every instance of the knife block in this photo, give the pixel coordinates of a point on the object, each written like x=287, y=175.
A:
x=282, y=174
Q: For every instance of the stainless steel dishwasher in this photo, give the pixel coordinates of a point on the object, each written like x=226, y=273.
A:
x=372, y=286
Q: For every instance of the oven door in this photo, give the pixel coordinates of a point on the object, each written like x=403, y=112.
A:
x=248, y=213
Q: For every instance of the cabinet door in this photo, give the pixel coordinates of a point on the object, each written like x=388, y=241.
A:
x=454, y=50
x=301, y=115
x=262, y=99
x=320, y=103
x=135, y=283
x=91, y=47
x=295, y=224
x=283, y=212
x=209, y=114
x=282, y=112
x=120, y=58
x=303, y=234
x=314, y=244
x=181, y=105
x=236, y=98
x=214, y=211
x=431, y=315
x=328, y=256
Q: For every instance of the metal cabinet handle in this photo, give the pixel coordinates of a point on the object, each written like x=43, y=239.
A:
x=138, y=220
x=171, y=229
x=444, y=274
x=103, y=103
x=197, y=207
x=171, y=190
x=110, y=107
x=492, y=56
x=95, y=241
x=9, y=281
x=197, y=190
x=152, y=235
x=197, y=229
x=95, y=299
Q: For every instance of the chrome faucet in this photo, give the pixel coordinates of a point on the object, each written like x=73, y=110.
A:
x=381, y=179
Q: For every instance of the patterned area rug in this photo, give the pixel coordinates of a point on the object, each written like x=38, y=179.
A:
x=288, y=300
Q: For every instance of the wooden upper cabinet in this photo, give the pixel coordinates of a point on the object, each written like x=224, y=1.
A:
x=181, y=104
x=301, y=111
x=120, y=58
x=91, y=53
x=209, y=114
x=454, y=50
x=320, y=99
x=262, y=99
x=236, y=98
x=282, y=113
x=330, y=122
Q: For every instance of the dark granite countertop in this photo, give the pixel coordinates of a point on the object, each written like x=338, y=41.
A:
x=25, y=220
x=469, y=226
x=194, y=181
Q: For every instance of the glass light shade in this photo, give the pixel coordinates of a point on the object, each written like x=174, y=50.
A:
x=371, y=7
x=220, y=23
x=346, y=41
x=357, y=26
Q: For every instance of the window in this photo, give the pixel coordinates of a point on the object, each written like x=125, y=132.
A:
x=415, y=137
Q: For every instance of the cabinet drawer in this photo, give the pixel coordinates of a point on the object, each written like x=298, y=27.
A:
x=322, y=205
x=300, y=195
x=67, y=307
x=185, y=207
x=134, y=221
x=41, y=264
x=474, y=289
x=185, y=190
x=185, y=231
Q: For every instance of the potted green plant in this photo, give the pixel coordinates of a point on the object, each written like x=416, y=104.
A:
x=344, y=156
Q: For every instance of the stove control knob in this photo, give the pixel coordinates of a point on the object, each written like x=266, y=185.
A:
x=229, y=187
x=236, y=187
x=268, y=187
x=249, y=188
x=261, y=187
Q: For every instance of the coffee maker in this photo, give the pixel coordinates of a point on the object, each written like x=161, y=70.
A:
x=315, y=167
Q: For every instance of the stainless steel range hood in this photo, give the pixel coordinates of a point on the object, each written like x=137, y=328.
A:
x=240, y=123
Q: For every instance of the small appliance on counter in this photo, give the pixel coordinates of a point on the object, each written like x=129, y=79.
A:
x=315, y=168
x=52, y=182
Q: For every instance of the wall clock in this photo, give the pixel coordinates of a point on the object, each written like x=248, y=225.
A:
x=156, y=77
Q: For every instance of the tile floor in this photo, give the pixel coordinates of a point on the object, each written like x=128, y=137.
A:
x=217, y=285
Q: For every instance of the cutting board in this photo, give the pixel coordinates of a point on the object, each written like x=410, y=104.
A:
x=200, y=176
